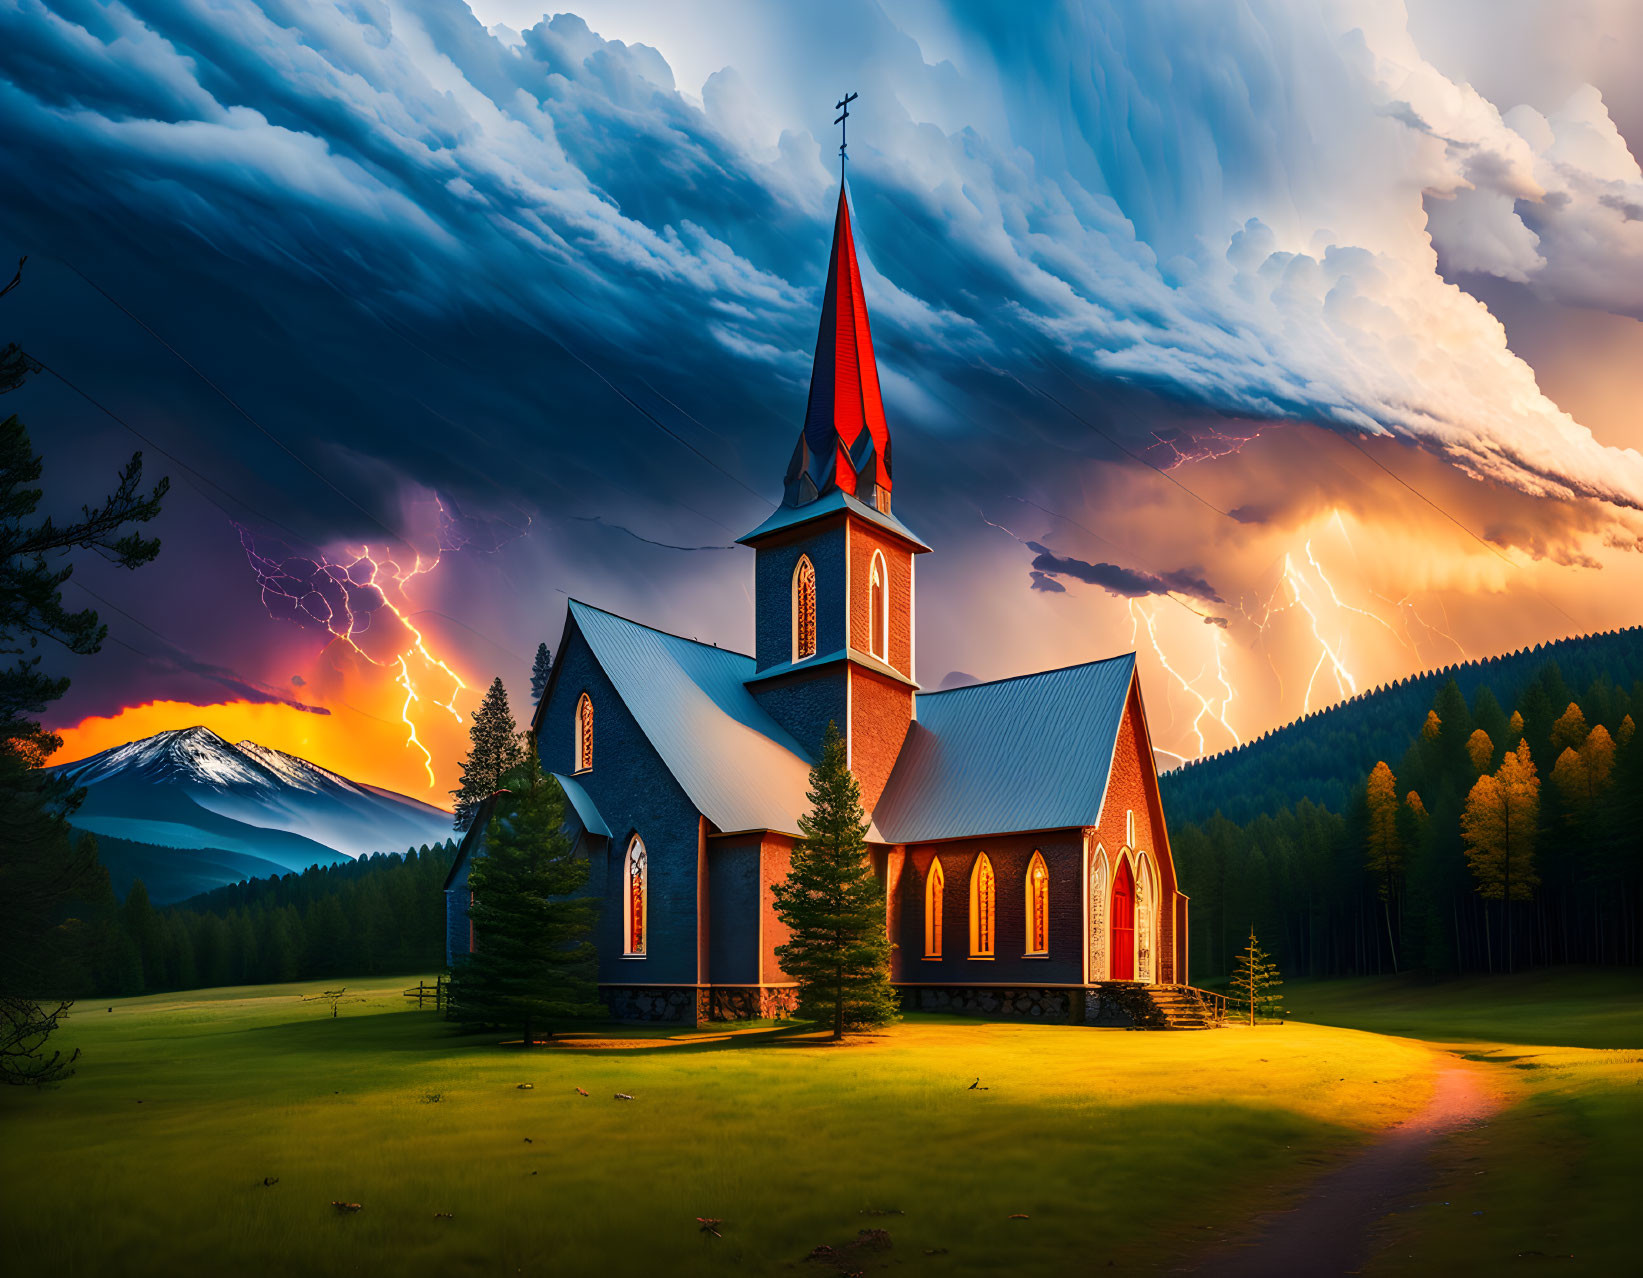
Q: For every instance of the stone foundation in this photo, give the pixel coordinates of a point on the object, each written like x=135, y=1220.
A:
x=637, y=1003
x=696, y=1006
x=1050, y=1006
x=1111, y=1004
x=751, y=1003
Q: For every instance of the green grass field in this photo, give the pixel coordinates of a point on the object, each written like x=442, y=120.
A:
x=1115, y=1146
x=1557, y=1174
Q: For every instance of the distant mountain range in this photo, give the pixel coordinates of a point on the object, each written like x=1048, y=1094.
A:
x=187, y=811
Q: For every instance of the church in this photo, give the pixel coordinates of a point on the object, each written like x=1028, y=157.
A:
x=1015, y=825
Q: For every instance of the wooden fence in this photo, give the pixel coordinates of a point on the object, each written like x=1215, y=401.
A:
x=437, y=994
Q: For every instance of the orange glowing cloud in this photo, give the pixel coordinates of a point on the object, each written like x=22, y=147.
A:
x=356, y=744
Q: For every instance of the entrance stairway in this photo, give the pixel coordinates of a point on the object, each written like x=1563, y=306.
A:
x=1183, y=1007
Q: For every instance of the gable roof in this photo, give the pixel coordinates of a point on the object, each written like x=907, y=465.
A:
x=581, y=806
x=475, y=834
x=741, y=769
x=830, y=503
x=1029, y=753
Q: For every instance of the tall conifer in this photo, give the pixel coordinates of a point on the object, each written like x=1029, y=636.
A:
x=532, y=965
x=540, y=670
x=833, y=905
x=494, y=750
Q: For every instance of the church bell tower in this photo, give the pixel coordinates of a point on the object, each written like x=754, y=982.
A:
x=833, y=601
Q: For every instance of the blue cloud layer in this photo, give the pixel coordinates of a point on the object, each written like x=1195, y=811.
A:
x=539, y=273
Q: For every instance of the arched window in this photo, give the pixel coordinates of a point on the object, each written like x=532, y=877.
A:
x=584, y=733
x=1038, y=906
x=878, y=598
x=982, y=908
x=935, y=884
x=636, y=876
x=1098, y=915
x=804, y=609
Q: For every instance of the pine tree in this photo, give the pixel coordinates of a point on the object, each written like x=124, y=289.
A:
x=494, y=750
x=1480, y=749
x=532, y=964
x=1499, y=825
x=833, y=906
x=1384, y=843
x=540, y=670
x=1255, y=982
x=45, y=870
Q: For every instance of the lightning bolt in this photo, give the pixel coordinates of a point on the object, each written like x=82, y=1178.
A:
x=1139, y=616
x=342, y=597
x=404, y=681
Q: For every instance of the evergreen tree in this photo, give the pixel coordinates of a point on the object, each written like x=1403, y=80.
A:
x=1499, y=825
x=494, y=750
x=1255, y=982
x=1385, y=843
x=45, y=872
x=833, y=906
x=1570, y=728
x=532, y=964
x=540, y=670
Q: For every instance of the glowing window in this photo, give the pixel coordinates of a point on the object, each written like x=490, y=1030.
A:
x=878, y=640
x=636, y=903
x=584, y=733
x=804, y=609
x=934, y=886
x=1038, y=906
x=982, y=912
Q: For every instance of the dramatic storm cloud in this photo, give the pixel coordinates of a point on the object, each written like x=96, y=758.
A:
x=541, y=291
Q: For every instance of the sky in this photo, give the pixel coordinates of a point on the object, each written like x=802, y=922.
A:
x=1295, y=344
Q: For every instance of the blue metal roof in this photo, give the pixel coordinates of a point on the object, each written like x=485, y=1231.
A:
x=1028, y=753
x=827, y=504
x=582, y=805
x=741, y=769
x=864, y=659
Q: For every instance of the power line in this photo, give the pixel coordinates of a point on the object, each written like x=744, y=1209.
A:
x=229, y=399
x=172, y=457
x=1118, y=444
x=1487, y=545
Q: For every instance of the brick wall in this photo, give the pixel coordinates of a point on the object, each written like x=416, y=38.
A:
x=880, y=712
x=775, y=860
x=1133, y=787
x=774, y=560
x=634, y=793
x=865, y=539
x=1010, y=854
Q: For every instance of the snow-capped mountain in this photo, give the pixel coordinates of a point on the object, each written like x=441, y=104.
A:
x=203, y=811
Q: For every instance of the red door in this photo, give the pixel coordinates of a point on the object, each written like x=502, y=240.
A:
x=1123, y=924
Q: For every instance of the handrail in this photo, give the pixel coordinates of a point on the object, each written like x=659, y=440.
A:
x=1215, y=1005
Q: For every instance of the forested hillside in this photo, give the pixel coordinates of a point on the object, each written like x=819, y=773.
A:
x=379, y=915
x=1480, y=819
x=1325, y=755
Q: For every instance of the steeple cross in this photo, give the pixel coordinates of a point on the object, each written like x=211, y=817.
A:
x=843, y=108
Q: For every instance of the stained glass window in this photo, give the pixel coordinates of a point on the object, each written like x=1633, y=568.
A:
x=804, y=609
x=584, y=733
x=636, y=897
x=934, y=887
x=981, y=908
x=879, y=608
x=1038, y=906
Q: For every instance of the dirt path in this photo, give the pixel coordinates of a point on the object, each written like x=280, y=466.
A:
x=1329, y=1232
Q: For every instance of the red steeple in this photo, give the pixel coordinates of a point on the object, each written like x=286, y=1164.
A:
x=846, y=443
